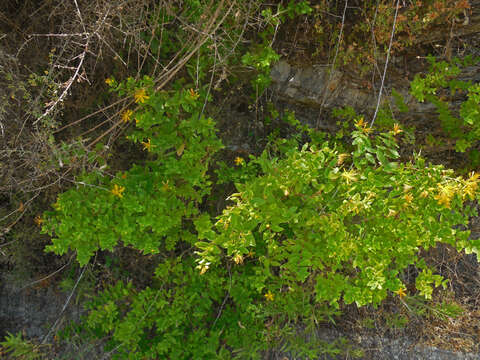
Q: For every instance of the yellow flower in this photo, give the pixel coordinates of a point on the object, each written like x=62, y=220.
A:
x=238, y=258
x=140, y=95
x=269, y=296
x=471, y=186
x=367, y=130
x=361, y=123
x=424, y=194
x=118, y=190
x=239, y=160
x=193, y=94
x=147, y=145
x=396, y=129
x=38, y=220
x=349, y=176
x=408, y=198
x=445, y=194
x=165, y=186
x=126, y=116
x=401, y=293
x=474, y=176
x=392, y=212
x=203, y=266
x=109, y=81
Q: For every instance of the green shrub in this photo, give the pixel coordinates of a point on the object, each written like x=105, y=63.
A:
x=149, y=206
x=184, y=315
x=462, y=126
x=318, y=229
x=310, y=229
x=343, y=231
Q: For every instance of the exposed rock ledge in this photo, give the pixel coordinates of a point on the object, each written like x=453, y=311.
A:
x=312, y=91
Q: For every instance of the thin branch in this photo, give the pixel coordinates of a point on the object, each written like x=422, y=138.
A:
x=64, y=306
x=386, y=64
x=340, y=35
x=86, y=34
x=17, y=210
x=92, y=114
x=67, y=87
x=181, y=63
x=77, y=71
x=46, y=277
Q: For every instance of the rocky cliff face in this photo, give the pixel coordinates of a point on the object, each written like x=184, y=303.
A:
x=315, y=90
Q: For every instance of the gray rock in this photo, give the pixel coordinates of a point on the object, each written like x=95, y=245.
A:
x=31, y=310
x=315, y=90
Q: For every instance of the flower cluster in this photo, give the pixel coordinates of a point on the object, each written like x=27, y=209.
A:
x=363, y=126
x=118, y=191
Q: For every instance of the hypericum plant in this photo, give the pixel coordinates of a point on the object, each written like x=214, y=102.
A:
x=463, y=126
x=147, y=206
x=318, y=228
x=182, y=315
x=185, y=314
x=342, y=227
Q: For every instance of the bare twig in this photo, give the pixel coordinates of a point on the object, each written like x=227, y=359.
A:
x=64, y=306
x=81, y=58
x=48, y=276
x=332, y=67
x=386, y=64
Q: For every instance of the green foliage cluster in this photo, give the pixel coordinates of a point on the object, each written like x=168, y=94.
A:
x=184, y=315
x=343, y=229
x=19, y=348
x=464, y=126
x=187, y=315
x=262, y=56
x=148, y=206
